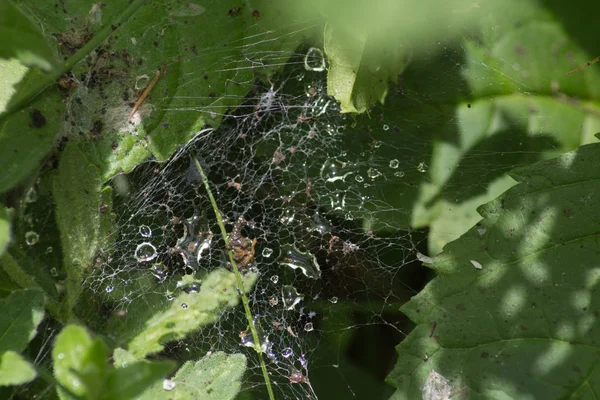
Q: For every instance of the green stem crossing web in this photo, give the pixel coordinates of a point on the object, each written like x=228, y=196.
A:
x=238, y=278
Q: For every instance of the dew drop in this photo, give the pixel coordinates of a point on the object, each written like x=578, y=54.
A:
x=287, y=352
x=333, y=300
x=168, y=384
x=267, y=252
x=373, y=173
x=320, y=225
x=422, y=167
x=53, y=272
x=49, y=249
x=359, y=178
x=145, y=231
x=386, y=127
x=399, y=174
x=308, y=327
x=170, y=297
x=31, y=238
x=481, y=231
x=314, y=60
x=247, y=339
x=184, y=306
x=394, y=163
x=109, y=288
x=191, y=288
x=159, y=273
x=145, y=252
x=296, y=259
x=290, y=297
x=275, y=279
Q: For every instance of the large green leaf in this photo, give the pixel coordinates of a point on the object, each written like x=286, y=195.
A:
x=20, y=314
x=79, y=216
x=217, y=376
x=190, y=311
x=26, y=136
x=15, y=370
x=20, y=38
x=513, y=312
x=521, y=107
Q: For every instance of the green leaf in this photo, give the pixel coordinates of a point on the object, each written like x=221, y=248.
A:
x=20, y=314
x=520, y=108
x=358, y=76
x=216, y=376
x=4, y=230
x=512, y=313
x=77, y=360
x=129, y=382
x=15, y=370
x=80, y=365
x=20, y=38
x=26, y=136
x=190, y=311
x=12, y=72
x=82, y=224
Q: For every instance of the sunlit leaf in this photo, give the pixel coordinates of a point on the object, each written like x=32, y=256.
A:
x=513, y=312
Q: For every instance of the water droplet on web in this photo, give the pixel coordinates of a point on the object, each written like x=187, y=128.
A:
x=422, y=167
x=377, y=144
x=296, y=259
x=287, y=217
x=275, y=279
x=159, y=272
x=191, y=288
x=267, y=252
x=53, y=272
x=314, y=60
x=290, y=297
x=145, y=231
x=333, y=300
x=394, y=163
x=287, y=352
x=170, y=297
x=247, y=339
x=320, y=224
x=169, y=384
x=386, y=127
x=308, y=327
x=399, y=174
x=359, y=178
x=184, y=306
x=31, y=195
x=31, y=238
x=109, y=288
x=49, y=249
x=145, y=252
x=373, y=173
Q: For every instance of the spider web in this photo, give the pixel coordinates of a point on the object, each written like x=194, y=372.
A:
x=318, y=192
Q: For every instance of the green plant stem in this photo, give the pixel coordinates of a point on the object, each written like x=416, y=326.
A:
x=48, y=79
x=238, y=278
